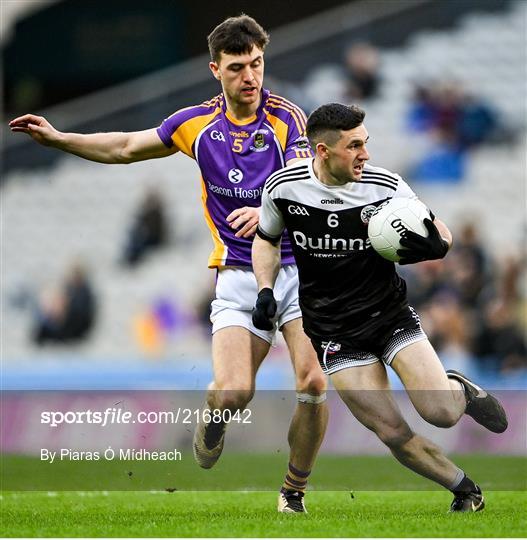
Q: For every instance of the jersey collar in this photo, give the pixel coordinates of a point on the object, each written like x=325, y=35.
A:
x=347, y=187
x=265, y=95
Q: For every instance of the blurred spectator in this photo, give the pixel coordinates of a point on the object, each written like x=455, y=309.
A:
x=447, y=108
x=427, y=278
x=421, y=114
x=148, y=230
x=447, y=103
x=478, y=123
x=355, y=78
x=444, y=161
x=162, y=320
x=447, y=323
x=362, y=63
x=499, y=342
x=467, y=266
x=468, y=244
x=66, y=314
x=455, y=121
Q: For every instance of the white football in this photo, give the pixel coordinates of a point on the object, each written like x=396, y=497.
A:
x=390, y=222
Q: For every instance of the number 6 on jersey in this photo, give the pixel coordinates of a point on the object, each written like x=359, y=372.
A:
x=333, y=220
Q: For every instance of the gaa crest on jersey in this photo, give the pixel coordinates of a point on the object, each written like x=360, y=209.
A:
x=216, y=135
x=367, y=212
x=297, y=210
x=258, y=143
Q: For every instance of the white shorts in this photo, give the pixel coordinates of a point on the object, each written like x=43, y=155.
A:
x=236, y=293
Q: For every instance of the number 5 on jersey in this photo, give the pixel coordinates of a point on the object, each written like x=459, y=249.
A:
x=237, y=145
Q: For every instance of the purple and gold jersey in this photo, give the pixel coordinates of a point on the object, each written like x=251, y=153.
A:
x=235, y=159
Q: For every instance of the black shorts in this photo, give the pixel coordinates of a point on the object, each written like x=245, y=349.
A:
x=389, y=338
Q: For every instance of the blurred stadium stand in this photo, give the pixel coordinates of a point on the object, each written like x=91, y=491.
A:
x=56, y=208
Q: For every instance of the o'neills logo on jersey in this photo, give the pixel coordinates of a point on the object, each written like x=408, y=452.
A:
x=332, y=201
x=239, y=134
x=328, y=243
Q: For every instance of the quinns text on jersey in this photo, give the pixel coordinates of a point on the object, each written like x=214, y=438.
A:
x=331, y=247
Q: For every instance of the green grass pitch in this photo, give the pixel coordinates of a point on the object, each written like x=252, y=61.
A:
x=397, y=503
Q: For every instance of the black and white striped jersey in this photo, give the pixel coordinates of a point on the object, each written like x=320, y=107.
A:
x=346, y=288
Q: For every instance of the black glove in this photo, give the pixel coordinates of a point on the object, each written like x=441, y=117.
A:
x=422, y=248
x=264, y=310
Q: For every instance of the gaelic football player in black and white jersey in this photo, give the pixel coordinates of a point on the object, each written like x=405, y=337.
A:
x=353, y=301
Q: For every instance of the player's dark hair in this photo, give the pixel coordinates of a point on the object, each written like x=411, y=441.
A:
x=236, y=35
x=325, y=123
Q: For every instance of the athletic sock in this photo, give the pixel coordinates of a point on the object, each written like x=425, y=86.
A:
x=295, y=480
x=461, y=387
x=213, y=433
x=465, y=486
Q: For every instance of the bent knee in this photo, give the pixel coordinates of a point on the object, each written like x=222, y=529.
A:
x=312, y=382
x=441, y=416
x=394, y=436
x=232, y=399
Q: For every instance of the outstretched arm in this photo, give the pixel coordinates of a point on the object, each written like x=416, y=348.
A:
x=101, y=147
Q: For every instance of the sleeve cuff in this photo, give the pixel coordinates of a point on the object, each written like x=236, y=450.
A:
x=272, y=239
x=165, y=138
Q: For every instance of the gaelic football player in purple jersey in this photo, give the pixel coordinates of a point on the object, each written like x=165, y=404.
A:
x=238, y=138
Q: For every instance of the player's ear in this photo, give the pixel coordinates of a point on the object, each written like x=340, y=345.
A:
x=215, y=70
x=321, y=150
